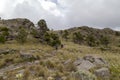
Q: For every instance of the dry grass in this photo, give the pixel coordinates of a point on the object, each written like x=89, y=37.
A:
x=51, y=61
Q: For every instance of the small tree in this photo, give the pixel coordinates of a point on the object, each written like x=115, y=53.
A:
x=43, y=25
x=42, y=29
x=22, y=35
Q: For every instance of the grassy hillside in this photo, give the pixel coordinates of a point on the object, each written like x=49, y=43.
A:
x=41, y=54
x=51, y=62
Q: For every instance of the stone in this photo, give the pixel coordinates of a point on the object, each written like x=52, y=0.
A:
x=85, y=65
x=103, y=73
x=67, y=62
x=89, y=58
x=100, y=62
x=78, y=62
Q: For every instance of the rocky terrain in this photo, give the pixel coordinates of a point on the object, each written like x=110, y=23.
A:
x=80, y=53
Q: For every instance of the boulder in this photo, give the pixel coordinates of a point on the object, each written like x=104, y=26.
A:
x=85, y=65
x=89, y=58
x=94, y=65
x=78, y=62
x=99, y=62
x=103, y=73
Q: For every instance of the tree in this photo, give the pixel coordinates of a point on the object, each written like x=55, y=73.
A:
x=78, y=37
x=22, y=35
x=43, y=25
x=42, y=29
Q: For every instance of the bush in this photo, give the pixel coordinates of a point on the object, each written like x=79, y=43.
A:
x=65, y=35
x=78, y=37
x=3, y=34
x=52, y=39
x=34, y=32
x=22, y=36
x=104, y=40
x=4, y=29
x=91, y=40
x=2, y=39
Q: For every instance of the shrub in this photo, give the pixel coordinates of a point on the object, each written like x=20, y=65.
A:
x=2, y=39
x=4, y=29
x=21, y=36
x=3, y=34
x=104, y=40
x=65, y=35
x=78, y=37
x=34, y=32
x=91, y=40
x=52, y=39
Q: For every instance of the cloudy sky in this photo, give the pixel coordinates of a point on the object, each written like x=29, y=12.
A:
x=62, y=14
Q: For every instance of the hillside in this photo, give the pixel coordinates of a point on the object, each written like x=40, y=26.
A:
x=84, y=32
x=80, y=53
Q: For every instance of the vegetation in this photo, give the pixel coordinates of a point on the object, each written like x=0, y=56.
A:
x=104, y=41
x=78, y=37
x=40, y=61
x=4, y=33
x=91, y=40
x=52, y=39
x=22, y=35
x=65, y=35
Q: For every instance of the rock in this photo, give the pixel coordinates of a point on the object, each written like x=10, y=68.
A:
x=67, y=62
x=7, y=51
x=50, y=78
x=89, y=58
x=99, y=62
x=96, y=65
x=16, y=23
x=85, y=65
x=103, y=73
x=78, y=62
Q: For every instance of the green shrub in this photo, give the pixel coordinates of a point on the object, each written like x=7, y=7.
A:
x=3, y=34
x=104, y=40
x=34, y=32
x=65, y=35
x=52, y=39
x=91, y=40
x=78, y=37
x=4, y=29
x=22, y=35
x=2, y=39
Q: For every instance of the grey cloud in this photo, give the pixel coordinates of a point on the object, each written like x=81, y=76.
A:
x=93, y=13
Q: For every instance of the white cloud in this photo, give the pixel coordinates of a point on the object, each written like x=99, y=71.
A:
x=61, y=14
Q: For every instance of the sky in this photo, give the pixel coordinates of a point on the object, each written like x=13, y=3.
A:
x=64, y=14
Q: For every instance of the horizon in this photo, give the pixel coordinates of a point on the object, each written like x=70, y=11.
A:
x=65, y=14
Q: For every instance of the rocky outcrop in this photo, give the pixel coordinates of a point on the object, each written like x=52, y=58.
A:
x=16, y=23
x=91, y=68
